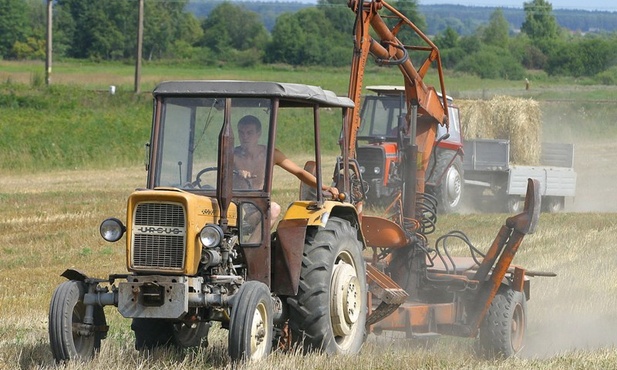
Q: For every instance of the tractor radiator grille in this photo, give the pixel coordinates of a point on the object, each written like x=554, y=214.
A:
x=159, y=236
x=371, y=157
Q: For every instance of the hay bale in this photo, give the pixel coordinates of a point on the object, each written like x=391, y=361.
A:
x=503, y=117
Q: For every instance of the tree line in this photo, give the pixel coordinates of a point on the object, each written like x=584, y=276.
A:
x=317, y=35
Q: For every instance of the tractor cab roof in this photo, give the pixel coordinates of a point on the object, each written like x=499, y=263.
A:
x=290, y=94
x=395, y=90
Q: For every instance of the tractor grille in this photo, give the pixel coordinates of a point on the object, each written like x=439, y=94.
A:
x=159, y=236
x=371, y=157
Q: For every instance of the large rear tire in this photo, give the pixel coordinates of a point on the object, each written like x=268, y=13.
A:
x=329, y=312
x=251, y=327
x=69, y=336
x=502, y=333
x=449, y=192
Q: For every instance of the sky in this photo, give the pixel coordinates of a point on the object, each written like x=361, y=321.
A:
x=603, y=5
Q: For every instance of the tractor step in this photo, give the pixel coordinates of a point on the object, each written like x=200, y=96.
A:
x=385, y=290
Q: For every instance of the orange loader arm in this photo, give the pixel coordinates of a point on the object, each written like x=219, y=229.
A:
x=432, y=109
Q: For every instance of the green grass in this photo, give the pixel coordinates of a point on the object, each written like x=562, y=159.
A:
x=78, y=124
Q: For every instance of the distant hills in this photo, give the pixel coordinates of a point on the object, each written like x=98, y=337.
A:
x=464, y=19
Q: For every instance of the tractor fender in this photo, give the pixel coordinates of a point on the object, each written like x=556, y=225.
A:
x=72, y=274
x=288, y=246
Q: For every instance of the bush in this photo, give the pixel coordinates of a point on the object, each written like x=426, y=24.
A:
x=608, y=77
x=492, y=62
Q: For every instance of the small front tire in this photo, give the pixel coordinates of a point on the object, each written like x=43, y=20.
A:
x=251, y=327
x=70, y=337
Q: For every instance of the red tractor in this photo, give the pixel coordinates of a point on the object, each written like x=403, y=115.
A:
x=382, y=117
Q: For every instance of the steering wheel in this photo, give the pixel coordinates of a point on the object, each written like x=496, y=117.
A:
x=197, y=182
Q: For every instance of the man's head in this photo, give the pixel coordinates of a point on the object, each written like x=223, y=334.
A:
x=249, y=129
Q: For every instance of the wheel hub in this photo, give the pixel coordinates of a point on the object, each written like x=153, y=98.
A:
x=453, y=186
x=346, y=299
x=258, y=332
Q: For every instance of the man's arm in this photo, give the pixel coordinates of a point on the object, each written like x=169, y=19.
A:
x=306, y=177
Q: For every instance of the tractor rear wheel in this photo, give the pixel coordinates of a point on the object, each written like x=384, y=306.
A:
x=502, y=332
x=449, y=192
x=329, y=312
x=251, y=327
x=70, y=337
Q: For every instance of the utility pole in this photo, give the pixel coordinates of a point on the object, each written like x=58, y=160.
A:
x=140, y=38
x=49, y=39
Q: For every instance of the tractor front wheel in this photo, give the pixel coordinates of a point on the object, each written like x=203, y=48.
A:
x=329, y=311
x=502, y=332
x=251, y=327
x=71, y=338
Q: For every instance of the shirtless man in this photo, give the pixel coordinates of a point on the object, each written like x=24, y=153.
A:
x=250, y=161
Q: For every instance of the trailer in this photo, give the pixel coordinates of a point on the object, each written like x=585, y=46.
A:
x=495, y=183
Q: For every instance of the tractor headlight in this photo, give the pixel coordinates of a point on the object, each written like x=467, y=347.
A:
x=112, y=229
x=362, y=169
x=377, y=170
x=211, y=236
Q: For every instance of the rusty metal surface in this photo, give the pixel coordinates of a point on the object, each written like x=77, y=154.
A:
x=382, y=233
x=287, y=255
x=518, y=225
x=389, y=293
x=527, y=221
x=418, y=317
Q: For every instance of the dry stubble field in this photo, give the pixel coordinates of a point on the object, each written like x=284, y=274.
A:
x=49, y=222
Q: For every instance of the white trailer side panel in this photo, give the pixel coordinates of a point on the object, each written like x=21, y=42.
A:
x=554, y=181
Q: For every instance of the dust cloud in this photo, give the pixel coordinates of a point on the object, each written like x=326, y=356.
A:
x=562, y=333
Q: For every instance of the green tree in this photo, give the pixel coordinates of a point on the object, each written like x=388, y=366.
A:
x=307, y=37
x=339, y=14
x=107, y=29
x=232, y=27
x=448, y=39
x=540, y=23
x=582, y=57
x=410, y=9
x=497, y=32
x=13, y=25
x=287, y=41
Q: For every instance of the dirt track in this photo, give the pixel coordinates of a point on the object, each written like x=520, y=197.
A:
x=596, y=168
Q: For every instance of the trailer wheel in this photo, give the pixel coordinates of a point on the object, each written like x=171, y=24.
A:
x=515, y=204
x=251, y=327
x=553, y=204
x=329, y=312
x=449, y=192
x=69, y=336
x=502, y=332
